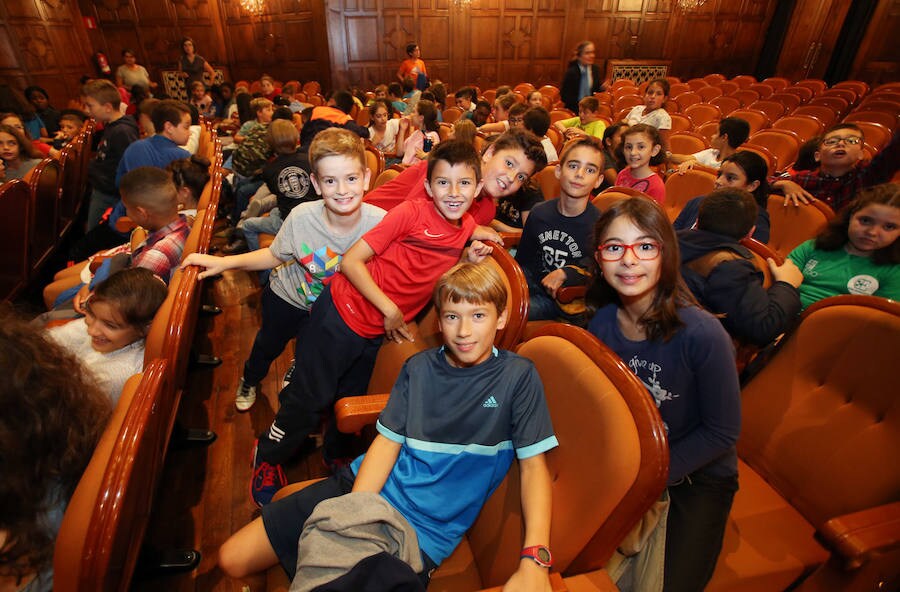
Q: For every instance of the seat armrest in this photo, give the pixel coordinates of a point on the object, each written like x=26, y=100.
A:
x=355, y=413
x=567, y=294
x=510, y=239
x=856, y=536
x=556, y=584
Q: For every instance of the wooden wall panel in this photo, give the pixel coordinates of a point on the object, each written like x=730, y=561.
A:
x=878, y=60
x=43, y=42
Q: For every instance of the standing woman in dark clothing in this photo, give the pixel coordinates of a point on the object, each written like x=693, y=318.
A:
x=191, y=65
x=582, y=77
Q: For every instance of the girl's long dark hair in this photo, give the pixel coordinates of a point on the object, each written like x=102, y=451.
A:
x=835, y=235
x=661, y=320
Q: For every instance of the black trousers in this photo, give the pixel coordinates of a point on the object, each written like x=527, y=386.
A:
x=698, y=513
x=281, y=322
x=331, y=362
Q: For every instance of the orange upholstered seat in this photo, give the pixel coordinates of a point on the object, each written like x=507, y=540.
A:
x=793, y=225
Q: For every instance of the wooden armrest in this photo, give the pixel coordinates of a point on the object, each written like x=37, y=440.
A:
x=355, y=413
x=567, y=294
x=856, y=536
x=556, y=584
x=510, y=239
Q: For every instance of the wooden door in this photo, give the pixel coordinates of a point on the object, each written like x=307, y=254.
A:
x=811, y=37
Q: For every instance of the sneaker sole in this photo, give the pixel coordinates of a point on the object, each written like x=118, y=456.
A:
x=237, y=405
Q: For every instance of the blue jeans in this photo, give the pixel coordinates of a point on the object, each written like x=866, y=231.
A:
x=253, y=227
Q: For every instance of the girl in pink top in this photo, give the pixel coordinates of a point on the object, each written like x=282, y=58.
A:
x=413, y=144
x=642, y=147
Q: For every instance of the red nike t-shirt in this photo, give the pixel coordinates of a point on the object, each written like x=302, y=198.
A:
x=414, y=245
x=410, y=186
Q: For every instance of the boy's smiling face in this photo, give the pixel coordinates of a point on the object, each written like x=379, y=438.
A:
x=452, y=187
x=505, y=171
x=341, y=181
x=581, y=172
x=469, y=330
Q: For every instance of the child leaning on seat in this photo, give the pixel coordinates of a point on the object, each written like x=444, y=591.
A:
x=489, y=399
x=386, y=279
x=306, y=251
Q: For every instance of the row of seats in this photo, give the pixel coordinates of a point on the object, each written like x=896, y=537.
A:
x=797, y=516
x=104, y=525
x=36, y=215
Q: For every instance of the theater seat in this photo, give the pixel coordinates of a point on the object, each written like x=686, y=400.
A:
x=793, y=225
x=818, y=472
x=104, y=524
x=602, y=415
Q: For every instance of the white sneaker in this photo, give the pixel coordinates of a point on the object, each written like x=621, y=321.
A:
x=245, y=396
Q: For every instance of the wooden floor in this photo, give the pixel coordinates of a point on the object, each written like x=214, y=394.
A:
x=204, y=493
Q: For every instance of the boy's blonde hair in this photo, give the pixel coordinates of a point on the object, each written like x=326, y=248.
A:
x=260, y=103
x=464, y=130
x=282, y=136
x=582, y=142
x=102, y=91
x=475, y=283
x=335, y=141
x=151, y=188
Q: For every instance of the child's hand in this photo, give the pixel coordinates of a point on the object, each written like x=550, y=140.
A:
x=574, y=132
x=395, y=328
x=486, y=233
x=404, y=123
x=553, y=281
x=787, y=272
x=81, y=297
x=478, y=251
x=212, y=265
x=421, y=154
x=686, y=166
x=793, y=193
x=530, y=577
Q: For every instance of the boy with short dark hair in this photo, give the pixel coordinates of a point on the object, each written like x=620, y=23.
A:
x=465, y=100
x=733, y=132
x=385, y=280
x=537, y=121
x=721, y=274
x=555, y=246
x=262, y=109
x=841, y=172
x=481, y=113
x=102, y=100
x=70, y=124
x=422, y=460
x=588, y=122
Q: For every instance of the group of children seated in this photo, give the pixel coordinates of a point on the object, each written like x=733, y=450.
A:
x=349, y=269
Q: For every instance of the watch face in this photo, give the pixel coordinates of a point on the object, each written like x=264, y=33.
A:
x=543, y=554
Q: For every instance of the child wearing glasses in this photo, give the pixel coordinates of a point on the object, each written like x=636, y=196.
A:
x=841, y=172
x=684, y=357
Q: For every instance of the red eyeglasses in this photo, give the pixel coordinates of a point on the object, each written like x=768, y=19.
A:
x=644, y=250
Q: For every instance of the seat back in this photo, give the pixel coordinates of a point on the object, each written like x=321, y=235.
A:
x=726, y=104
x=687, y=143
x=451, y=114
x=680, y=189
x=824, y=114
x=888, y=120
x=547, y=182
x=757, y=119
x=680, y=123
x=783, y=146
x=104, y=524
x=791, y=226
x=700, y=113
x=375, y=162
x=763, y=89
x=789, y=101
x=687, y=99
x=603, y=418
x=876, y=134
x=387, y=175
x=69, y=199
x=745, y=96
x=821, y=421
x=608, y=197
x=772, y=109
x=391, y=355
x=709, y=92
x=15, y=212
x=46, y=188
x=805, y=126
x=761, y=252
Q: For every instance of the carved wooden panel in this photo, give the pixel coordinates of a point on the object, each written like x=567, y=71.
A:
x=878, y=60
x=42, y=42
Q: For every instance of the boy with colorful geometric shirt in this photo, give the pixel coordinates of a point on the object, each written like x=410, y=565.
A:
x=438, y=458
x=386, y=279
x=306, y=251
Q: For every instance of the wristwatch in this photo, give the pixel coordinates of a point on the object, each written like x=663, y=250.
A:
x=539, y=554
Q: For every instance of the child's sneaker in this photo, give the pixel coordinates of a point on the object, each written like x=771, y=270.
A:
x=245, y=396
x=267, y=479
x=289, y=374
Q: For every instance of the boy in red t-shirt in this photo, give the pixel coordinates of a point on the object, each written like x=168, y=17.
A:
x=386, y=278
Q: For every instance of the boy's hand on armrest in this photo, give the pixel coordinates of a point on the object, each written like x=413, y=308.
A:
x=486, y=233
x=793, y=193
x=787, y=272
x=253, y=261
x=529, y=577
x=553, y=281
x=478, y=251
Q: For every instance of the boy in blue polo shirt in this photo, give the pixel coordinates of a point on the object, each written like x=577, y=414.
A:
x=456, y=417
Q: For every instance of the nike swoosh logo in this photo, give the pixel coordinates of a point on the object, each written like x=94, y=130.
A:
x=428, y=234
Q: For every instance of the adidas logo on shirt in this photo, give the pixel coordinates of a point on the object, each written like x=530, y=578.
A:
x=490, y=402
